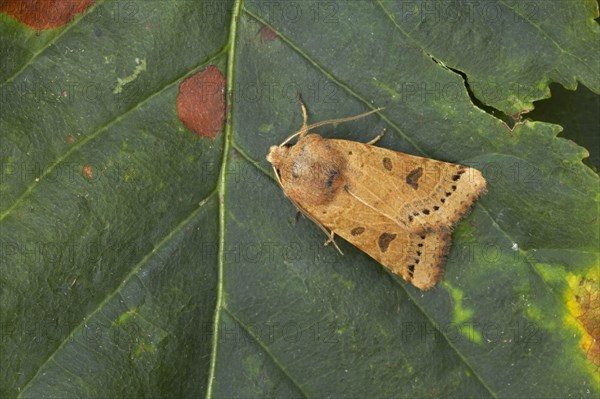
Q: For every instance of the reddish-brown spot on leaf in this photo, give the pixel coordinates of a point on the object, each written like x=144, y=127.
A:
x=201, y=102
x=88, y=172
x=47, y=14
x=267, y=34
x=70, y=139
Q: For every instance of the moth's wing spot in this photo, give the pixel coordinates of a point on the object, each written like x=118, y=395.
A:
x=442, y=200
x=420, y=245
x=453, y=188
x=410, y=218
x=436, y=208
x=415, y=213
x=357, y=231
x=331, y=177
x=387, y=163
x=448, y=194
x=346, y=188
x=456, y=177
x=349, y=152
x=412, y=179
x=384, y=241
x=425, y=211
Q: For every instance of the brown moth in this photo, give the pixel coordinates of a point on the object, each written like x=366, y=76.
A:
x=398, y=208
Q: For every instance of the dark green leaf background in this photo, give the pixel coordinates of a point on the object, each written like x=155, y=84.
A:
x=178, y=269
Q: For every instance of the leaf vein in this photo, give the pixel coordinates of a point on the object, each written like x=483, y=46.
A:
x=117, y=291
x=96, y=133
x=266, y=350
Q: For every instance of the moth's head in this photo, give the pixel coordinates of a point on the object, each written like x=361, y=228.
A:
x=277, y=154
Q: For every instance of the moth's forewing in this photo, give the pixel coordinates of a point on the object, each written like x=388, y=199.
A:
x=421, y=194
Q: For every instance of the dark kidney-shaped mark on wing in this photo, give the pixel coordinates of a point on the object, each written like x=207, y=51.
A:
x=47, y=14
x=201, y=102
x=357, y=231
x=412, y=179
x=387, y=163
x=384, y=241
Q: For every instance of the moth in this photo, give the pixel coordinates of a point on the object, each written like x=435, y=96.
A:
x=398, y=208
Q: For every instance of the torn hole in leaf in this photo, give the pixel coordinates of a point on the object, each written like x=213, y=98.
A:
x=507, y=119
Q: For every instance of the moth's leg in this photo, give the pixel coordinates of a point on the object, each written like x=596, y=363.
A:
x=331, y=240
x=379, y=136
x=330, y=234
x=304, y=128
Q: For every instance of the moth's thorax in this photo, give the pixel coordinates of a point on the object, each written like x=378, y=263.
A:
x=311, y=171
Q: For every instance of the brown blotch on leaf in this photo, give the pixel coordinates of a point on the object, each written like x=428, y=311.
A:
x=70, y=139
x=47, y=14
x=587, y=296
x=267, y=34
x=357, y=231
x=387, y=163
x=201, y=102
x=88, y=172
x=384, y=241
x=412, y=179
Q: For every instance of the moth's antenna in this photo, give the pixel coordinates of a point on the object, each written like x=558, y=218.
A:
x=306, y=128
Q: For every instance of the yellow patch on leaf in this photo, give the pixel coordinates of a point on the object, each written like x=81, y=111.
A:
x=583, y=302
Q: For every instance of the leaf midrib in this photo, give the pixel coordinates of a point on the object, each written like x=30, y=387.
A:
x=222, y=190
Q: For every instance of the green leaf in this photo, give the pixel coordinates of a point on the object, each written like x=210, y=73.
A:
x=140, y=260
